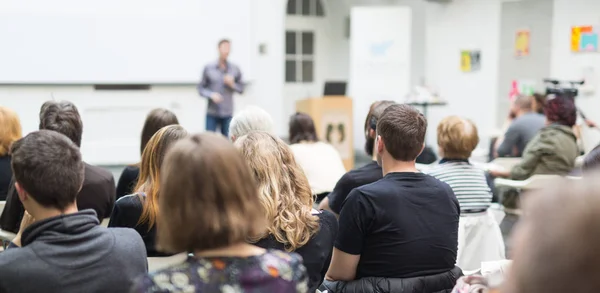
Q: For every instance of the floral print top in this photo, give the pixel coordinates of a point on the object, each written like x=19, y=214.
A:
x=274, y=272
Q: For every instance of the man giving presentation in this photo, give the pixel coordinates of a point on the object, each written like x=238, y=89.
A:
x=220, y=79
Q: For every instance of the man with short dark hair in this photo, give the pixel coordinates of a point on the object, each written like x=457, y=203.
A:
x=220, y=80
x=58, y=248
x=366, y=174
x=404, y=225
x=98, y=190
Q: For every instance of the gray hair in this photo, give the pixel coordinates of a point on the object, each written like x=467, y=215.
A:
x=250, y=119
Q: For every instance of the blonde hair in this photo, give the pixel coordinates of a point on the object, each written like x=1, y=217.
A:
x=209, y=197
x=149, y=180
x=457, y=137
x=283, y=190
x=10, y=131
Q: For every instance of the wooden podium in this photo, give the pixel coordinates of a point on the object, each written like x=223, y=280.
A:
x=333, y=120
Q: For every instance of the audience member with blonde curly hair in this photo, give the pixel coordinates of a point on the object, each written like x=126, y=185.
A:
x=287, y=200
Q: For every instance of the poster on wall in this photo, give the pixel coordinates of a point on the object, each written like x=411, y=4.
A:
x=336, y=131
x=584, y=38
x=521, y=87
x=470, y=61
x=522, y=43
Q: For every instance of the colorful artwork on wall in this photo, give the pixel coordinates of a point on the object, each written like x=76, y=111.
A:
x=522, y=43
x=470, y=61
x=584, y=38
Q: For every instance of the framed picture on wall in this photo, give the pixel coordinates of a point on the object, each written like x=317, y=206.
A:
x=522, y=43
x=470, y=61
x=584, y=38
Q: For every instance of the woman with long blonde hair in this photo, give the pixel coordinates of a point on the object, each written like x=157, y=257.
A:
x=10, y=131
x=287, y=201
x=140, y=210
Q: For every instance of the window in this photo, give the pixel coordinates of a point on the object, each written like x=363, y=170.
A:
x=299, y=56
x=305, y=7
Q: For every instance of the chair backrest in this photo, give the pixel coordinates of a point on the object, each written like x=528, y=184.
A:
x=2, y=204
x=159, y=263
x=505, y=163
x=104, y=222
x=534, y=182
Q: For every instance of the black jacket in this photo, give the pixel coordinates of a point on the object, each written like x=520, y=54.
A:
x=440, y=283
x=97, y=193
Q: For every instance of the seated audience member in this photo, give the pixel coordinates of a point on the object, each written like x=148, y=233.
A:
x=10, y=131
x=479, y=236
x=523, y=128
x=369, y=173
x=209, y=206
x=140, y=210
x=554, y=149
x=537, y=103
x=591, y=162
x=404, y=227
x=286, y=199
x=58, y=248
x=556, y=242
x=98, y=189
x=320, y=161
x=250, y=119
x=156, y=119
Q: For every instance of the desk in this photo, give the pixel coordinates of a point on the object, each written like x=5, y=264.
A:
x=425, y=106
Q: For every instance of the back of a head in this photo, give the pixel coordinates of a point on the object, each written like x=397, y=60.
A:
x=48, y=166
x=250, y=119
x=524, y=103
x=560, y=110
x=284, y=190
x=591, y=162
x=556, y=242
x=208, y=196
x=152, y=159
x=156, y=119
x=62, y=117
x=373, y=116
x=457, y=137
x=302, y=128
x=10, y=130
x=539, y=100
x=402, y=129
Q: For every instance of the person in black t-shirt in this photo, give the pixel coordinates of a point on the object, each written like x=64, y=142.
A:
x=404, y=225
x=363, y=175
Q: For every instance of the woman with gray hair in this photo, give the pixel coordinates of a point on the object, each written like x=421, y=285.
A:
x=250, y=119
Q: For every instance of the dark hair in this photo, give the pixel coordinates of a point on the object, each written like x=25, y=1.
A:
x=48, y=166
x=209, y=197
x=62, y=117
x=592, y=160
x=156, y=119
x=540, y=101
x=402, y=128
x=223, y=41
x=371, y=122
x=302, y=128
x=561, y=110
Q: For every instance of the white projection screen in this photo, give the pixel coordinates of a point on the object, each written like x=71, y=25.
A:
x=119, y=41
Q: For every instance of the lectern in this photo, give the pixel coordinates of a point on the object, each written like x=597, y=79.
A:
x=333, y=120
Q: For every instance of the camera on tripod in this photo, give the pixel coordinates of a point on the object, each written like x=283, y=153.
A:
x=558, y=88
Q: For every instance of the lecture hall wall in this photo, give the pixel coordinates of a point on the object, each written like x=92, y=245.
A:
x=113, y=119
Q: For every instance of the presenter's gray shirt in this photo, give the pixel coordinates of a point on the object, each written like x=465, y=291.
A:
x=213, y=81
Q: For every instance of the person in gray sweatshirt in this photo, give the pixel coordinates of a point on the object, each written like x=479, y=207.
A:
x=58, y=248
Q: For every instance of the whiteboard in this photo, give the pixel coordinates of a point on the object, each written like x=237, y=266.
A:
x=119, y=41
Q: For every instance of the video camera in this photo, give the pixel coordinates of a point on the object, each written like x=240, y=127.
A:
x=562, y=88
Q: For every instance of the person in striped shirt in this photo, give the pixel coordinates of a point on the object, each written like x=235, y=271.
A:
x=479, y=236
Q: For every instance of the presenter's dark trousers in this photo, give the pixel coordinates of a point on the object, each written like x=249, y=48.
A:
x=222, y=123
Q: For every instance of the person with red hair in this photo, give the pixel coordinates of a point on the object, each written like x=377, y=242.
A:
x=554, y=149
